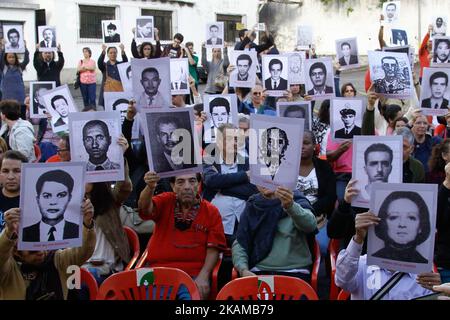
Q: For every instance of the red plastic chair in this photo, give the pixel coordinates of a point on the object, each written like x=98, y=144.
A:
x=88, y=279
x=344, y=295
x=161, y=284
x=135, y=247
x=37, y=153
x=315, y=268
x=267, y=288
x=143, y=262
x=333, y=249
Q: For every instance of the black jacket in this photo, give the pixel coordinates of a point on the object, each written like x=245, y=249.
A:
x=51, y=71
x=327, y=188
x=31, y=233
x=442, y=247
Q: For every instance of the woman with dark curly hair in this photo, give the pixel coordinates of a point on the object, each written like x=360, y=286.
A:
x=440, y=156
x=404, y=224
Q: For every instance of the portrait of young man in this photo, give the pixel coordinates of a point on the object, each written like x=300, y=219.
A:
x=144, y=28
x=394, y=80
x=53, y=195
x=151, y=97
x=273, y=147
x=96, y=141
x=60, y=105
x=14, y=39
x=441, y=50
x=38, y=89
x=214, y=35
x=391, y=11
x=350, y=129
x=346, y=56
x=295, y=110
x=318, y=77
x=243, y=64
x=276, y=81
x=438, y=82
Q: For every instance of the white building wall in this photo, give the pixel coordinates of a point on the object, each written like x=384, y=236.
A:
x=186, y=19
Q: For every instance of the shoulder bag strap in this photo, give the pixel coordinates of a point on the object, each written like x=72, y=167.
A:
x=387, y=286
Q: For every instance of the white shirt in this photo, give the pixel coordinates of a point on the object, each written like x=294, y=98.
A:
x=363, y=281
x=157, y=101
x=230, y=208
x=309, y=186
x=45, y=228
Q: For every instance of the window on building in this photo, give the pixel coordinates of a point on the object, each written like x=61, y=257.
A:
x=229, y=22
x=162, y=20
x=91, y=20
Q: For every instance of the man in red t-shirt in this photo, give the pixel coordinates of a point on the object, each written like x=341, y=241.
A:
x=188, y=232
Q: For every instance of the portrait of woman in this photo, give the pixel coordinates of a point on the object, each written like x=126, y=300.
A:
x=405, y=224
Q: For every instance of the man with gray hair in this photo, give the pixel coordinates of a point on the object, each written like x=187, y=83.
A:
x=413, y=171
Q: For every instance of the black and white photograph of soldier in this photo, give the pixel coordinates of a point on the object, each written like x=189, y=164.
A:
x=439, y=26
x=275, y=74
x=98, y=144
x=346, y=118
x=319, y=77
x=151, y=83
x=244, y=71
x=296, y=67
x=375, y=159
x=215, y=35
x=299, y=110
x=347, y=53
x=111, y=31
x=13, y=35
x=435, y=91
x=173, y=149
x=37, y=104
x=220, y=109
x=391, y=11
x=59, y=103
x=441, y=51
x=403, y=240
x=399, y=37
x=144, y=29
x=276, y=143
x=179, y=76
x=390, y=72
x=47, y=38
x=51, y=197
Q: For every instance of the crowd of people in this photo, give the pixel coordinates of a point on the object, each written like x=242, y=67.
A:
x=191, y=221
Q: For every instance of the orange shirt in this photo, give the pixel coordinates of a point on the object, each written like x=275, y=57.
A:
x=185, y=250
x=423, y=54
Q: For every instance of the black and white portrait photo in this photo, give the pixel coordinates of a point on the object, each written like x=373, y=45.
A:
x=439, y=26
x=404, y=238
x=220, y=109
x=50, y=203
x=144, y=29
x=111, y=30
x=244, y=74
x=304, y=37
x=375, y=159
x=275, y=74
x=390, y=72
x=179, y=76
x=171, y=141
x=408, y=50
x=151, y=83
x=126, y=76
x=296, y=67
x=215, y=35
x=298, y=109
x=347, y=53
x=319, y=78
x=47, y=38
x=118, y=102
x=37, y=103
x=13, y=35
x=97, y=144
x=399, y=37
x=275, y=146
x=59, y=103
x=435, y=91
x=346, y=118
x=441, y=52
x=391, y=11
